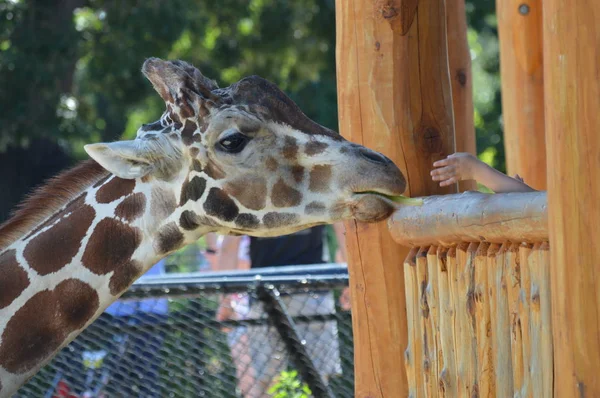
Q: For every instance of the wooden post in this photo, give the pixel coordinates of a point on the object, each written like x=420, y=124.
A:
x=522, y=76
x=572, y=97
x=461, y=77
x=394, y=96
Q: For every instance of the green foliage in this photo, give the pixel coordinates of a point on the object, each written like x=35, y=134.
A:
x=288, y=385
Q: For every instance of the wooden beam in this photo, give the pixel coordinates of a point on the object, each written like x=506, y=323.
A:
x=394, y=96
x=472, y=217
x=522, y=77
x=461, y=77
x=572, y=99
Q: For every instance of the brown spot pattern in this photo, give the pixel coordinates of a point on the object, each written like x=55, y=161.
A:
x=125, y=276
x=213, y=171
x=192, y=190
x=285, y=196
x=250, y=191
x=315, y=148
x=39, y=327
x=275, y=220
x=271, y=164
x=13, y=278
x=162, y=203
x=290, y=147
x=315, y=208
x=194, y=151
x=196, y=165
x=169, y=238
x=189, y=220
x=247, y=221
x=114, y=189
x=219, y=204
x=320, y=178
x=110, y=248
x=298, y=174
x=72, y=205
x=131, y=207
x=54, y=248
x=188, y=132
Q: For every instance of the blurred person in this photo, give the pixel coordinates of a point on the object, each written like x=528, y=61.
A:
x=261, y=344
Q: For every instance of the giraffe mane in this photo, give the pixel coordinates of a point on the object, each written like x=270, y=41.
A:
x=49, y=198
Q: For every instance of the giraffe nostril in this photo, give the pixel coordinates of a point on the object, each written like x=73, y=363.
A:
x=374, y=157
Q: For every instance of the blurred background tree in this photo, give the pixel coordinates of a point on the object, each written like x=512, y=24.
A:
x=70, y=70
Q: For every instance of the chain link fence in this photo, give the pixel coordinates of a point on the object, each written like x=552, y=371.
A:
x=256, y=333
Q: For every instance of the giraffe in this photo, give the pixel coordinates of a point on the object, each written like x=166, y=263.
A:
x=237, y=160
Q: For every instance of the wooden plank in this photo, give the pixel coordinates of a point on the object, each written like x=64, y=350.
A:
x=500, y=320
x=547, y=344
x=413, y=354
x=394, y=96
x=429, y=349
x=432, y=294
x=572, y=101
x=486, y=382
x=459, y=62
x=513, y=287
x=522, y=78
x=524, y=315
x=466, y=361
x=535, y=299
x=447, y=376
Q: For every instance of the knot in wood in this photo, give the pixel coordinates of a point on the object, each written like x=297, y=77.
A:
x=461, y=77
x=430, y=140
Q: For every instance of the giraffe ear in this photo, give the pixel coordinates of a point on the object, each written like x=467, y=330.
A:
x=125, y=159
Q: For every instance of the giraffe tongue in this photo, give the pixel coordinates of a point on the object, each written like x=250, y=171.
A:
x=400, y=199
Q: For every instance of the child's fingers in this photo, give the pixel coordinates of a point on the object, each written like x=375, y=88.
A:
x=440, y=163
x=450, y=181
x=450, y=170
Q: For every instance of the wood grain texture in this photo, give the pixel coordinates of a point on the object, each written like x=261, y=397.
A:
x=486, y=381
x=512, y=276
x=524, y=315
x=434, y=318
x=447, y=377
x=522, y=78
x=413, y=355
x=572, y=98
x=472, y=217
x=394, y=96
x=427, y=338
x=461, y=77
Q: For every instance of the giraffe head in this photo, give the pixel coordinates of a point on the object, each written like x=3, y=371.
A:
x=246, y=160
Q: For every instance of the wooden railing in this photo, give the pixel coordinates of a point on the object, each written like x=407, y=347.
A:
x=477, y=283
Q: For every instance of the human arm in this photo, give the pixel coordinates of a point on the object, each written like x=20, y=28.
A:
x=340, y=235
x=464, y=166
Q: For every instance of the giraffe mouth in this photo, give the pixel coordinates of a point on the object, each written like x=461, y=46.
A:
x=373, y=206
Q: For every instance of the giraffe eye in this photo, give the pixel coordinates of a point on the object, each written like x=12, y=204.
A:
x=233, y=143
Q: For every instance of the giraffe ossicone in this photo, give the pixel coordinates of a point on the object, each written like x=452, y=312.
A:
x=237, y=160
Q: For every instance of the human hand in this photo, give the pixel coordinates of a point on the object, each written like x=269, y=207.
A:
x=457, y=167
x=224, y=311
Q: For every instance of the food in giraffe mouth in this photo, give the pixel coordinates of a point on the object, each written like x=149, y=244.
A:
x=371, y=206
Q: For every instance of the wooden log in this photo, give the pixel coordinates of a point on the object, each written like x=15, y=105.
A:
x=466, y=360
x=434, y=318
x=394, y=96
x=513, y=286
x=500, y=320
x=447, y=376
x=472, y=217
x=413, y=354
x=524, y=315
x=486, y=384
x=572, y=100
x=429, y=349
x=522, y=78
x=459, y=62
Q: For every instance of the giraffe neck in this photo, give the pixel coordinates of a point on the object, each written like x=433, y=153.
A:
x=59, y=277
